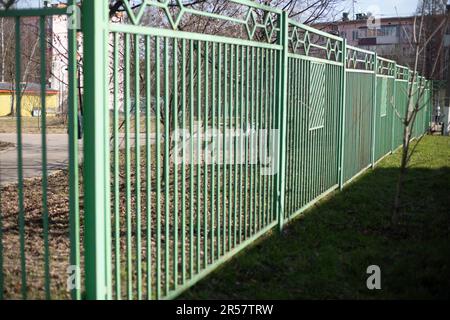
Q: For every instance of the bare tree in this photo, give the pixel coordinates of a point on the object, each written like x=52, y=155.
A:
x=415, y=102
x=6, y=4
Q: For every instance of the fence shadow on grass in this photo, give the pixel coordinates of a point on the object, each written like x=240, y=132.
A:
x=325, y=253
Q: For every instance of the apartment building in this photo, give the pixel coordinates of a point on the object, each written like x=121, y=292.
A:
x=390, y=39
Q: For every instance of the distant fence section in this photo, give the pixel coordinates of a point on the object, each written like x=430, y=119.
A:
x=157, y=213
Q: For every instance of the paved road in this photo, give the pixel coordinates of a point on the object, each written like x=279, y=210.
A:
x=57, y=155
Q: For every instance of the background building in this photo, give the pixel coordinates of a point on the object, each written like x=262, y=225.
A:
x=392, y=38
x=30, y=102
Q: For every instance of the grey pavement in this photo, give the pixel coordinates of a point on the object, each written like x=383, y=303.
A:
x=57, y=155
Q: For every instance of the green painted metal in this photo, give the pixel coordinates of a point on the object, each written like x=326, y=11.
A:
x=45, y=226
x=384, y=116
x=20, y=161
x=343, y=103
x=74, y=212
x=117, y=237
x=97, y=234
x=281, y=118
x=27, y=272
x=375, y=108
x=358, y=123
x=338, y=110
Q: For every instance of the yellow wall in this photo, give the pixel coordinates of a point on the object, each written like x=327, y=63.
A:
x=29, y=102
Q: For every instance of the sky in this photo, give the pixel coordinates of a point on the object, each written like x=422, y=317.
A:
x=387, y=8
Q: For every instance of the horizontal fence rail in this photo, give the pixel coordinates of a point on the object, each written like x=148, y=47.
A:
x=196, y=142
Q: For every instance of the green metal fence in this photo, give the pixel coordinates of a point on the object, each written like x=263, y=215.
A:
x=154, y=220
x=29, y=256
x=360, y=105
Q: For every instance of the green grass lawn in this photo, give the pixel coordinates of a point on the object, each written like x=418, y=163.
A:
x=325, y=253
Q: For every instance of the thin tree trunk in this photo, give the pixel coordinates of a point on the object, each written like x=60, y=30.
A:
x=403, y=169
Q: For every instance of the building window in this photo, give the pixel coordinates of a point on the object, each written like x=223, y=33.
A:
x=362, y=33
x=371, y=33
x=317, y=95
x=388, y=31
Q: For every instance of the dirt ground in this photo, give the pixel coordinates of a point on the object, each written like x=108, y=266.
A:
x=5, y=145
x=126, y=232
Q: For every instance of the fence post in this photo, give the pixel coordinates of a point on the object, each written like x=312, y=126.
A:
x=342, y=115
x=74, y=195
x=96, y=151
x=374, y=109
x=281, y=118
x=394, y=107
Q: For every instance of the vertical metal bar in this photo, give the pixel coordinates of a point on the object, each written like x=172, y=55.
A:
x=251, y=147
x=127, y=70
x=332, y=179
x=295, y=106
x=241, y=143
x=317, y=154
x=393, y=108
x=230, y=146
x=137, y=152
x=245, y=128
x=183, y=176
x=271, y=137
x=191, y=139
x=300, y=108
x=220, y=223
x=148, y=154
x=43, y=65
x=166, y=166
x=206, y=164
x=258, y=148
x=301, y=99
x=175, y=179
x=158, y=164
x=310, y=139
x=224, y=120
x=300, y=134
x=23, y=266
x=281, y=116
x=374, y=110
x=266, y=127
x=289, y=134
x=343, y=88
x=305, y=153
x=303, y=130
x=235, y=116
x=116, y=170
x=320, y=140
x=254, y=194
x=273, y=102
x=213, y=157
x=74, y=214
x=198, y=153
x=293, y=127
x=331, y=100
x=96, y=150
